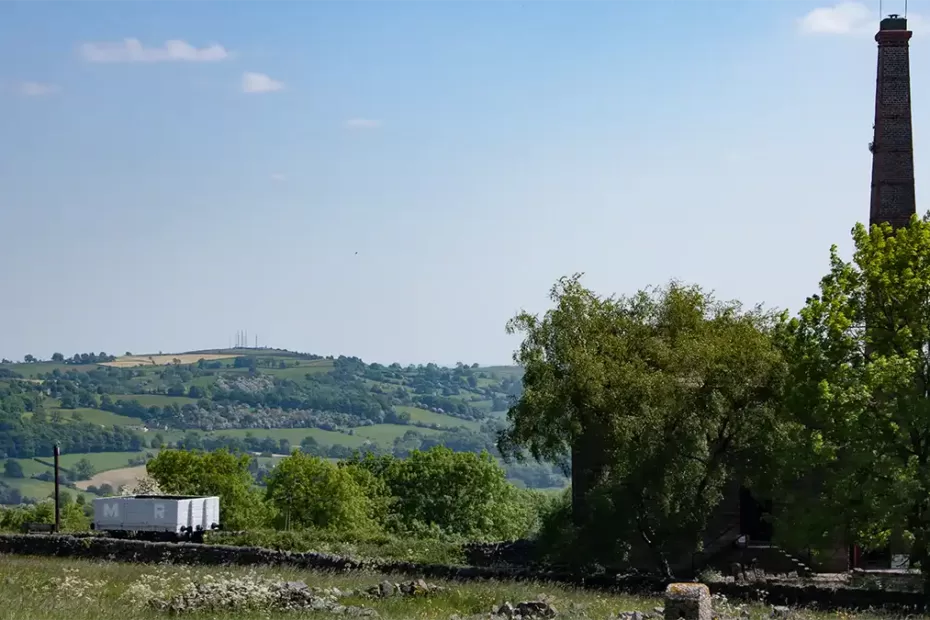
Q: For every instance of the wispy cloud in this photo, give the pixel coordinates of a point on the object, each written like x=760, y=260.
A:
x=850, y=18
x=259, y=83
x=132, y=50
x=36, y=89
x=278, y=176
x=363, y=123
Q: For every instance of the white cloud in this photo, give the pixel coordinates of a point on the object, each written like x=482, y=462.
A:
x=36, y=89
x=278, y=176
x=850, y=18
x=363, y=123
x=842, y=18
x=259, y=83
x=132, y=50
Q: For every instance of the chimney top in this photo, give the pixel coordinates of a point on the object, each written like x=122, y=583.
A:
x=893, y=22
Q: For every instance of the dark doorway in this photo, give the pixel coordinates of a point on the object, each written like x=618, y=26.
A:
x=753, y=517
x=872, y=559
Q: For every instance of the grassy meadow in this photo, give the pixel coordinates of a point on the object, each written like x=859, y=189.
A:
x=59, y=589
x=33, y=588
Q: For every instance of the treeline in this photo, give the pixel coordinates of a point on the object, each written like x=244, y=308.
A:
x=432, y=493
x=320, y=392
x=530, y=474
x=22, y=437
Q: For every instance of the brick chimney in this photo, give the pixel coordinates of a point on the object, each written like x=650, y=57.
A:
x=892, y=144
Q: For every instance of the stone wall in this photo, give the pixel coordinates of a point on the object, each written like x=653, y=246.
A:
x=97, y=548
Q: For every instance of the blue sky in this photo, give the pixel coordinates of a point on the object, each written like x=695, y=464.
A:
x=221, y=169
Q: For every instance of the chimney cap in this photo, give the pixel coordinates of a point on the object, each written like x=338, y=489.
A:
x=893, y=22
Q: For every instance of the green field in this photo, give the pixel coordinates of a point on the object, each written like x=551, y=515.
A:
x=296, y=435
x=304, y=367
x=429, y=417
x=39, y=489
x=385, y=434
x=98, y=416
x=31, y=371
x=514, y=372
x=102, y=461
x=31, y=467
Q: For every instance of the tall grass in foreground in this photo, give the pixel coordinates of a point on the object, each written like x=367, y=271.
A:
x=60, y=589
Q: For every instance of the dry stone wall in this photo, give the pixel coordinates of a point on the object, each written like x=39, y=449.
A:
x=98, y=548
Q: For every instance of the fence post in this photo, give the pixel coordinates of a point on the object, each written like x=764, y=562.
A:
x=57, y=497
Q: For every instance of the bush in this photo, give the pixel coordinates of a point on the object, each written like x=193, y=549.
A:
x=73, y=517
x=459, y=493
x=307, y=491
x=12, y=469
x=218, y=473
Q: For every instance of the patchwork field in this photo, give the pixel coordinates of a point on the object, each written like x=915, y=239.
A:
x=116, y=478
x=130, y=361
x=345, y=391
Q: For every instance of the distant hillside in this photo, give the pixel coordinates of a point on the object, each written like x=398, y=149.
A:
x=265, y=401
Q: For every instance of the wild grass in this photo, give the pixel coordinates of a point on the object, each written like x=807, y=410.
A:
x=60, y=589
x=65, y=589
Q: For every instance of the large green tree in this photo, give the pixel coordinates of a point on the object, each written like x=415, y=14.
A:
x=308, y=491
x=659, y=399
x=219, y=473
x=860, y=358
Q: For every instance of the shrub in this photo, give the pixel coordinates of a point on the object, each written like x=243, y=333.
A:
x=217, y=473
x=307, y=491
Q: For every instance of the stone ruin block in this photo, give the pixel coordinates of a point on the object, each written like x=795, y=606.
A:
x=687, y=601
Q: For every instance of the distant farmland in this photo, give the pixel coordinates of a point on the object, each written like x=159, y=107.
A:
x=129, y=361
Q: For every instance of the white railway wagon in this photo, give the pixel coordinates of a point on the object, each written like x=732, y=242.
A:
x=161, y=517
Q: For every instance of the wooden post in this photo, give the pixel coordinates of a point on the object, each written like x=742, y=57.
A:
x=57, y=497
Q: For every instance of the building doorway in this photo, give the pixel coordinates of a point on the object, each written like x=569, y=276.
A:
x=755, y=517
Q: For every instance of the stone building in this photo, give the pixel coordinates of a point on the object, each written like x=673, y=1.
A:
x=892, y=200
x=740, y=529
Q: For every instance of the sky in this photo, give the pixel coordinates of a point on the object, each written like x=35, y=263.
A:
x=395, y=180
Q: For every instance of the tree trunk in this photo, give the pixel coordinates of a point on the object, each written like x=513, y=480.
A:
x=587, y=469
x=658, y=555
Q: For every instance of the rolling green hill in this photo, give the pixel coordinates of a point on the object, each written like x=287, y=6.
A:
x=258, y=400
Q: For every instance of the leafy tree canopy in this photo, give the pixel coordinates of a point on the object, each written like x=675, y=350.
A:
x=659, y=399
